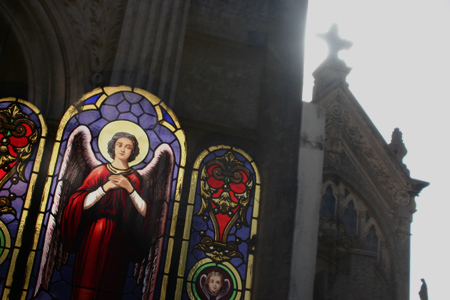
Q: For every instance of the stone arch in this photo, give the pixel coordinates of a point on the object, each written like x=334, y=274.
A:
x=31, y=25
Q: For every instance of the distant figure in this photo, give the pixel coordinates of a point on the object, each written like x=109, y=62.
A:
x=423, y=293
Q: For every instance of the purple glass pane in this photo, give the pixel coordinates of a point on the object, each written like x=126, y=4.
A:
x=114, y=99
x=110, y=113
x=221, y=152
x=164, y=134
x=147, y=121
x=29, y=167
x=50, y=202
x=59, y=159
x=124, y=106
x=128, y=116
x=88, y=117
x=147, y=107
x=136, y=109
x=94, y=144
x=8, y=218
x=19, y=189
x=97, y=126
x=154, y=139
x=242, y=269
x=173, y=191
x=17, y=205
x=133, y=97
x=69, y=127
x=176, y=149
x=28, y=111
x=12, y=227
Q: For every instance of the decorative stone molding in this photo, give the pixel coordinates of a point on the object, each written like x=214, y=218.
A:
x=103, y=19
x=342, y=127
x=398, y=147
x=402, y=228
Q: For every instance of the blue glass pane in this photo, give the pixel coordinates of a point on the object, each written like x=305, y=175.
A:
x=167, y=117
x=93, y=99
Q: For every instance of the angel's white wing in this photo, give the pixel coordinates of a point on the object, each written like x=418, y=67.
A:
x=157, y=183
x=78, y=161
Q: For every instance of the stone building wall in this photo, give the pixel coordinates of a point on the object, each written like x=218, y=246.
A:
x=230, y=70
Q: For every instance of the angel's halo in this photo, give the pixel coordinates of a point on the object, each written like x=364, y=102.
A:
x=112, y=128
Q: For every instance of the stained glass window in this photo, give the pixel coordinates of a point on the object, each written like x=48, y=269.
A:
x=218, y=248
x=114, y=185
x=350, y=219
x=22, y=137
x=371, y=243
x=328, y=202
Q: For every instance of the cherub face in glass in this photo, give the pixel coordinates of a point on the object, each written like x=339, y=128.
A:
x=215, y=283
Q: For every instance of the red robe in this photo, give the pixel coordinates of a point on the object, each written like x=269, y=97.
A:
x=105, y=237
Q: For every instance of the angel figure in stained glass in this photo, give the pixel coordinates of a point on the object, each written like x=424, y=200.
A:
x=108, y=215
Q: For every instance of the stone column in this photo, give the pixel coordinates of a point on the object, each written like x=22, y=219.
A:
x=306, y=228
x=150, y=46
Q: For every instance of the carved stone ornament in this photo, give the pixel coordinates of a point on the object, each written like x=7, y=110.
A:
x=103, y=19
x=340, y=126
x=403, y=227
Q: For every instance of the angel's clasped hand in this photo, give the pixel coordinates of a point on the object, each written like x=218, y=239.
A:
x=118, y=181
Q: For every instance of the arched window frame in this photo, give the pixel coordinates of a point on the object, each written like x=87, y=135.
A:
x=189, y=274
x=329, y=184
x=163, y=118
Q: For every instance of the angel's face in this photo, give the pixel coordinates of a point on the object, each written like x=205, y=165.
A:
x=123, y=148
x=215, y=284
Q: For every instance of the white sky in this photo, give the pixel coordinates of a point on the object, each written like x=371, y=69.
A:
x=400, y=74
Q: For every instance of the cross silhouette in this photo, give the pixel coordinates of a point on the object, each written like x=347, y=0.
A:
x=334, y=41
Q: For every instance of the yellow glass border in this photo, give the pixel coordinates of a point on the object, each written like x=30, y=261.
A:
x=75, y=109
x=6, y=292
x=30, y=187
x=236, y=275
x=189, y=218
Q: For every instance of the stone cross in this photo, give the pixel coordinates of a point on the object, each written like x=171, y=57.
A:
x=334, y=41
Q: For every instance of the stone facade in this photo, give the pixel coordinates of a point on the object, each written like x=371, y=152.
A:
x=230, y=71
x=368, y=197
